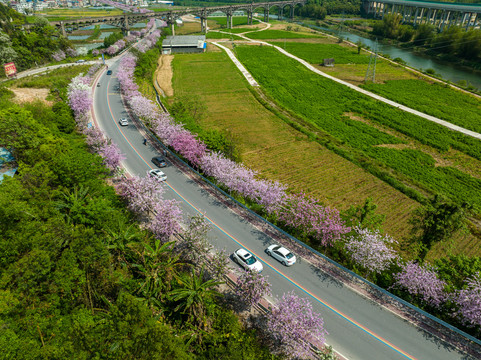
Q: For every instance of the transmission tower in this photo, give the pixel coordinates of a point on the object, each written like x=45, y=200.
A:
x=371, y=69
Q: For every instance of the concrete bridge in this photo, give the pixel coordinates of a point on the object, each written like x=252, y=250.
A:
x=126, y=20
x=415, y=12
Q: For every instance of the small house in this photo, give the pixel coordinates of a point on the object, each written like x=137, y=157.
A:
x=184, y=44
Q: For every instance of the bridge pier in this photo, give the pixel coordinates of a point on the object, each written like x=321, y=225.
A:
x=266, y=15
x=125, y=26
x=249, y=17
x=280, y=13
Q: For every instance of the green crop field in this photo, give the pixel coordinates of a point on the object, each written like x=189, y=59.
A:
x=281, y=34
x=434, y=99
x=217, y=35
x=277, y=150
x=236, y=20
x=315, y=53
x=323, y=103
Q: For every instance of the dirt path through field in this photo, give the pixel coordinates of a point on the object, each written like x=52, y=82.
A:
x=163, y=74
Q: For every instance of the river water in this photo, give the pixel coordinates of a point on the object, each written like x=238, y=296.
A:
x=447, y=72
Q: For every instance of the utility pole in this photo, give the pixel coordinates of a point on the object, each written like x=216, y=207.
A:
x=371, y=69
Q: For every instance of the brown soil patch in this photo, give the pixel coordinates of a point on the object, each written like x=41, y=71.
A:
x=164, y=74
x=31, y=95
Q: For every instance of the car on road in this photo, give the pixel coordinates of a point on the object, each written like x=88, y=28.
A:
x=281, y=254
x=124, y=122
x=248, y=261
x=159, y=161
x=109, y=72
x=158, y=174
x=80, y=61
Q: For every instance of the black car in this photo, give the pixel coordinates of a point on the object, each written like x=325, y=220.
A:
x=109, y=72
x=159, y=161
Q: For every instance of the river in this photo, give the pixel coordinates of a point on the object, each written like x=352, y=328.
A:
x=447, y=72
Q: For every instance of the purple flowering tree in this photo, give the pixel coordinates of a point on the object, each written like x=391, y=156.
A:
x=95, y=52
x=468, y=301
x=421, y=282
x=141, y=194
x=251, y=287
x=112, y=156
x=219, y=265
x=194, y=246
x=291, y=324
x=313, y=220
x=166, y=220
x=71, y=52
x=79, y=96
x=369, y=250
x=58, y=56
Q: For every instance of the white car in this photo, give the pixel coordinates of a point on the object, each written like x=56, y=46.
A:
x=247, y=260
x=124, y=122
x=281, y=254
x=157, y=174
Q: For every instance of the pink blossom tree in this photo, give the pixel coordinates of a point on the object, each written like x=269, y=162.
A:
x=251, y=287
x=291, y=324
x=71, y=52
x=195, y=246
x=111, y=155
x=422, y=282
x=58, y=56
x=369, y=249
x=166, y=220
x=313, y=220
x=141, y=194
x=468, y=301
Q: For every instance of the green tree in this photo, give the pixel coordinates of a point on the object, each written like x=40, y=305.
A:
x=364, y=216
x=195, y=298
x=437, y=222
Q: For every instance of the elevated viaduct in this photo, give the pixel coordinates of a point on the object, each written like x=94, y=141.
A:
x=126, y=20
x=416, y=12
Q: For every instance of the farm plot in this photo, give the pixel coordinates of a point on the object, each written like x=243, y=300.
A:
x=322, y=103
x=281, y=34
x=315, y=53
x=433, y=99
x=278, y=151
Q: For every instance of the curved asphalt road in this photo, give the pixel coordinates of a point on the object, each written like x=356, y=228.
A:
x=358, y=328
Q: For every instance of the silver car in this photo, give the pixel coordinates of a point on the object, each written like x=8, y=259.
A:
x=281, y=254
x=158, y=174
x=124, y=122
x=248, y=261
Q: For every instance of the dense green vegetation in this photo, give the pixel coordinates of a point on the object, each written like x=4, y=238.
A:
x=27, y=49
x=311, y=97
x=73, y=261
x=315, y=53
x=453, y=41
x=433, y=99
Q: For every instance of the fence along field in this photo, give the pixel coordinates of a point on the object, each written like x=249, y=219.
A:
x=278, y=151
x=311, y=96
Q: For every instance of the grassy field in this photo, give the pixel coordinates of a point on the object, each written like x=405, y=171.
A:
x=217, y=35
x=236, y=20
x=315, y=53
x=434, y=99
x=311, y=97
x=264, y=139
x=281, y=34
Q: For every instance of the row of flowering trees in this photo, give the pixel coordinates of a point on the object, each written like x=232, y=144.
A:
x=144, y=197
x=61, y=55
x=368, y=249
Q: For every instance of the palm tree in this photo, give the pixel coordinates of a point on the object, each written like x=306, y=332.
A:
x=72, y=206
x=195, y=297
x=121, y=239
x=158, y=267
